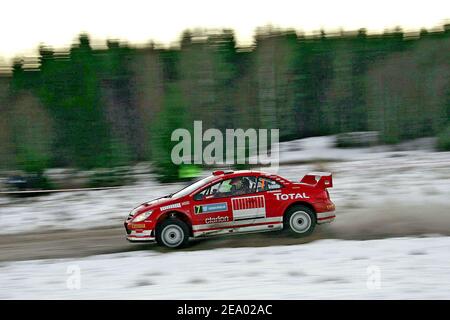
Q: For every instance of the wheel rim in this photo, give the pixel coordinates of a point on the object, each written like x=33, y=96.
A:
x=172, y=235
x=300, y=222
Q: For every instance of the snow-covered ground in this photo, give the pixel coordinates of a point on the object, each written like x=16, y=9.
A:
x=379, y=191
x=363, y=177
x=397, y=268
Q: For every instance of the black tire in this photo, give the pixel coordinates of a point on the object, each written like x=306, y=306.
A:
x=299, y=221
x=172, y=233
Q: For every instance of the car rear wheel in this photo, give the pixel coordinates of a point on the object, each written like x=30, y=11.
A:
x=299, y=220
x=172, y=233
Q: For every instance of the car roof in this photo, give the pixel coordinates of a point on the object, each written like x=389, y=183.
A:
x=240, y=173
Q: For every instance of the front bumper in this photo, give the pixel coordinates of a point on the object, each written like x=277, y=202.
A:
x=136, y=236
x=139, y=235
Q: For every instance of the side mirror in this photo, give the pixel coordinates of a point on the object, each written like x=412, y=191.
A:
x=198, y=197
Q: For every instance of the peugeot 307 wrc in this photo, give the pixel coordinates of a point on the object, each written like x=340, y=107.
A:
x=230, y=202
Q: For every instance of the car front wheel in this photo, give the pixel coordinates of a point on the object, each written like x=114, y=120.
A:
x=299, y=220
x=172, y=233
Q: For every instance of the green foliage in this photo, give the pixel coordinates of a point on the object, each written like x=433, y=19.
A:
x=71, y=91
x=102, y=108
x=188, y=172
x=31, y=133
x=408, y=92
x=443, y=143
x=171, y=117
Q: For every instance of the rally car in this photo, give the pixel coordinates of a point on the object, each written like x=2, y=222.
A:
x=228, y=202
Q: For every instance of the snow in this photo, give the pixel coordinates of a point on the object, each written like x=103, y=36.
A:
x=408, y=178
x=323, y=148
x=410, y=173
x=407, y=268
x=79, y=209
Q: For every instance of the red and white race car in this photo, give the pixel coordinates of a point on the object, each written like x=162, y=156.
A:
x=230, y=202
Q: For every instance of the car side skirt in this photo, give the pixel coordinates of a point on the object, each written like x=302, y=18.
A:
x=242, y=228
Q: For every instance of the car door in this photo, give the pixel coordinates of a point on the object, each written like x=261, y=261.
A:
x=248, y=206
x=212, y=213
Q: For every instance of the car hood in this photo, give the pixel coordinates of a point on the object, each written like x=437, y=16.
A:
x=153, y=204
x=157, y=202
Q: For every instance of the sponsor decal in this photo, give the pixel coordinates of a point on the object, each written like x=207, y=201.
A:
x=171, y=206
x=248, y=207
x=185, y=203
x=230, y=223
x=137, y=225
x=209, y=208
x=216, y=219
x=286, y=196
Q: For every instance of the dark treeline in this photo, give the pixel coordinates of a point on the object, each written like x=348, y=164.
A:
x=90, y=108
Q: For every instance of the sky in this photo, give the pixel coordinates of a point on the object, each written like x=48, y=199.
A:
x=24, y=24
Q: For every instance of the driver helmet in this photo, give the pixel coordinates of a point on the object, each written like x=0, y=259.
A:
x=236, y=181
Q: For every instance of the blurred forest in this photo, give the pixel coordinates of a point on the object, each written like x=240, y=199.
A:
x=89, y=107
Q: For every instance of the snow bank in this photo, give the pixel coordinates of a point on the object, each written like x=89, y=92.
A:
x=398, y=268
x=324, y=148
x=78, y=209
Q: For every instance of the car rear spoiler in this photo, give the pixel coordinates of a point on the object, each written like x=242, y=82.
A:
x=321, y=180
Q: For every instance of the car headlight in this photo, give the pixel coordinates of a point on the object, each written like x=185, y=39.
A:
x=142, y=216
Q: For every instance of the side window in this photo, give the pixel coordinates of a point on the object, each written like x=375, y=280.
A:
x=202, y=194
x=266, y=184
x=214, y=191
x=247, y=185
x=231, y=187
x=222, y=187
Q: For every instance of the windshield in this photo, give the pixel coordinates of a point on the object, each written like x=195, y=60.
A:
x=187, y=190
